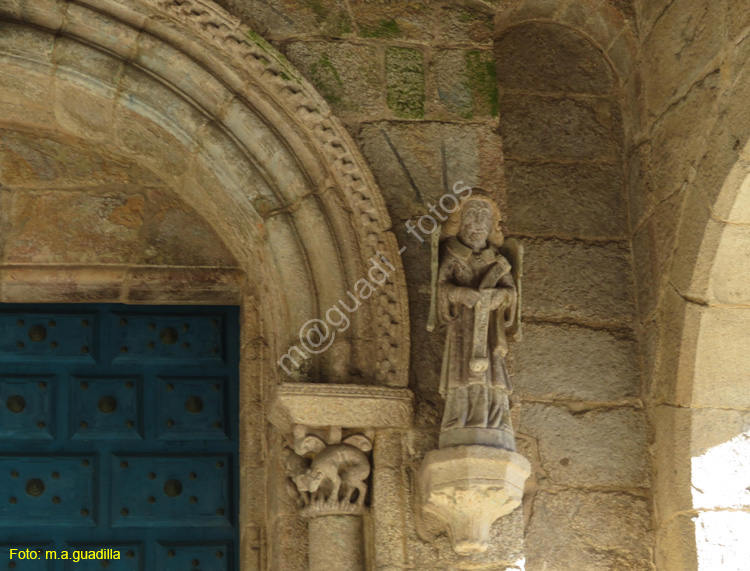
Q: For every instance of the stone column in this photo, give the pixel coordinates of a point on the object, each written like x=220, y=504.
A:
x=328, y=458
x=330, y=469
x=336, y=543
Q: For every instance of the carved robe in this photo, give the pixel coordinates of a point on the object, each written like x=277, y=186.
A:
x=474, y=399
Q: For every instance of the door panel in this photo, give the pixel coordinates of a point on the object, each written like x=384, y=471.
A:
x=118, y=430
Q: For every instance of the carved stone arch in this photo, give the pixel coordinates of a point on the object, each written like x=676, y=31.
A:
x=189, y=93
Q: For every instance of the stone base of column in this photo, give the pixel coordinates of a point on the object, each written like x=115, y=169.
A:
x=336, y=543
x=467, y=488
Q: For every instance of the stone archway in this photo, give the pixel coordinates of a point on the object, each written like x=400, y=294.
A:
x=181, y=94
x=700, y=395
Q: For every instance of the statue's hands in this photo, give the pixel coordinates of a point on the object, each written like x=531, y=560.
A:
x=500, y=298
x=469, y=297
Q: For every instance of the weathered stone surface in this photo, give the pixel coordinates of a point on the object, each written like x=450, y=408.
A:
x=572, y=281
x=638, y=180
x=533, y=126
x=601, y=447
x=466, y=83
x=568, y=201
x=411, y=19
x=675, y=544
x=426, y=349
x=653, y=248
x=596, y=531
x=648, y=11
x=292, y=547
x=684, y=40
x=27, y=94
x=348, y=76
x=73, y=227
x=25, y=41
x=721, y=362
x=281, y=18
x=37, y=161
x=675, y=365
x=156, y=146
x=404, y=75
x=624, y=54
x=390, y=486
x=459, y=24
x=678, y=137
x=737, y=17
x=177, y=235
x=341, y=405
x=698, y=238
x=728, y=280
x=562, y=60
x=82, y=113
x=575, y=363
x=416, y=164
x=71, y=55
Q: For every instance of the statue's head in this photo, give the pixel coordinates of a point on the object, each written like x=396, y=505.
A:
x=477, y=219
x=476, y=222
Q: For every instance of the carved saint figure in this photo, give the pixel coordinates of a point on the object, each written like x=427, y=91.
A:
x=477, y=299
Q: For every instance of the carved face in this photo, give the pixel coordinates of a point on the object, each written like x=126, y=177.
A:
x=476, y=222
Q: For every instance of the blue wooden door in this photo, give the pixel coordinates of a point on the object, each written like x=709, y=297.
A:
x=118, y=430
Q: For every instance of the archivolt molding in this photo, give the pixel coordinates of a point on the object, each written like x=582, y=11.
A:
x=318, y=179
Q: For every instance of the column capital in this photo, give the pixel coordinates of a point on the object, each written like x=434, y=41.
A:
x=329, y=468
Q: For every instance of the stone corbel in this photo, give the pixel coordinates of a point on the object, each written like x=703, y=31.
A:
x=465, y=489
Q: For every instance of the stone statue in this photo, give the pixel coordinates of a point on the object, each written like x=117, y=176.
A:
x=476, y=297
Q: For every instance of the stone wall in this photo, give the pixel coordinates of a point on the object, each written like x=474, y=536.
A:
x=69, y=204
x=433, y=97
x=577, y=375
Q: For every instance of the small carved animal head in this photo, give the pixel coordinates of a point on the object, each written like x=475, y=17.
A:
x=315, y=479
x=303, y=482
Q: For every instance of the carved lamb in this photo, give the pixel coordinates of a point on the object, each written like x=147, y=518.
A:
x=338, y=463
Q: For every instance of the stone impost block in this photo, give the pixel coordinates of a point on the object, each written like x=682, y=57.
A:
x=466, y=489
x=314, y=404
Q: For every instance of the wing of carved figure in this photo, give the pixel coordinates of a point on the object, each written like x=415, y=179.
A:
x=434, y=265
x=512, y=249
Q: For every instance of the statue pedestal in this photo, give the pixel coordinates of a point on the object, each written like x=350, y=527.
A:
x=493, y=437
x=467, y=488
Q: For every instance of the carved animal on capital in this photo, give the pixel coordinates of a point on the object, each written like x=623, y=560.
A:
x=295, y=466
x=344, y=465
